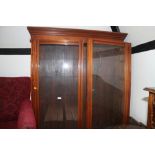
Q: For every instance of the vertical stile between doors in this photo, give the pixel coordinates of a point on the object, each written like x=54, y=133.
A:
x=89, y=83
x=80, y=84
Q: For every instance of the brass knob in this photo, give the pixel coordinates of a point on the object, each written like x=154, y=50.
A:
x=35, y=88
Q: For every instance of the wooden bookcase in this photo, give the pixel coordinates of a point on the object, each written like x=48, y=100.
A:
x=80, y=78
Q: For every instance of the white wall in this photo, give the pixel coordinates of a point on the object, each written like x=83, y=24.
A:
x=14, y=37
x=14, y=65
x=18, y=37
x=143, y=75
x=142, y=69
x=138, y=34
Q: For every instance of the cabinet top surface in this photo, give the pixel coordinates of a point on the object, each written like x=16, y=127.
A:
x=150, y=89
x=51, y=31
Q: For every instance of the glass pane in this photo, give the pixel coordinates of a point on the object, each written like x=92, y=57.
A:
x=58, y=86
x=108, y=85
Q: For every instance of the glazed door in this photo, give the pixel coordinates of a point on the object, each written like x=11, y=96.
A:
x=61, y=85
x=107, y=84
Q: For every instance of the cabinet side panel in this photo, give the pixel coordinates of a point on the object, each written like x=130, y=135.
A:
x=127, y=85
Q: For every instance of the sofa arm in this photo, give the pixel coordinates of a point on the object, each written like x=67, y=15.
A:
x=26, y=118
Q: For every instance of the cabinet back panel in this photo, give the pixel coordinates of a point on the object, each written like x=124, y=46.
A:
x=108, y=85
x=58, y=86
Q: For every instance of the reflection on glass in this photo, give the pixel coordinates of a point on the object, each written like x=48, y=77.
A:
x=65, y=66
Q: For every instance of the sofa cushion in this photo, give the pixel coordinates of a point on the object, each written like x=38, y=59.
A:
x=13, y=90
x=26, y=118
x=8, y=125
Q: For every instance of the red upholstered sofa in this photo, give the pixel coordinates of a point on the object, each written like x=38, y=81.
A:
x=15, y=106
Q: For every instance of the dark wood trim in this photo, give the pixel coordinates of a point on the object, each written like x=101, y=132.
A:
x=15, y=51
x=115, y=28
x=35, y=79
x=48, y=31
x=107, y=53
x=80, y=84
x=40, y=35
x=127, y=82
x=89, y=84
x=150, y=89
x=108, y=42
x=150, y=110
x=150, y=114
x=144, y=47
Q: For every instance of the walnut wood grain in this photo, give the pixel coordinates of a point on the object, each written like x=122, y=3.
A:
x=48, y=31
x=127, y=84
x=79, y=115
x=151, y=108
x=89, y=84
x=150, y=89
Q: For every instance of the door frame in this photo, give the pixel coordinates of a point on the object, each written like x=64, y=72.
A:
x=35, y=72
x=127, y=78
